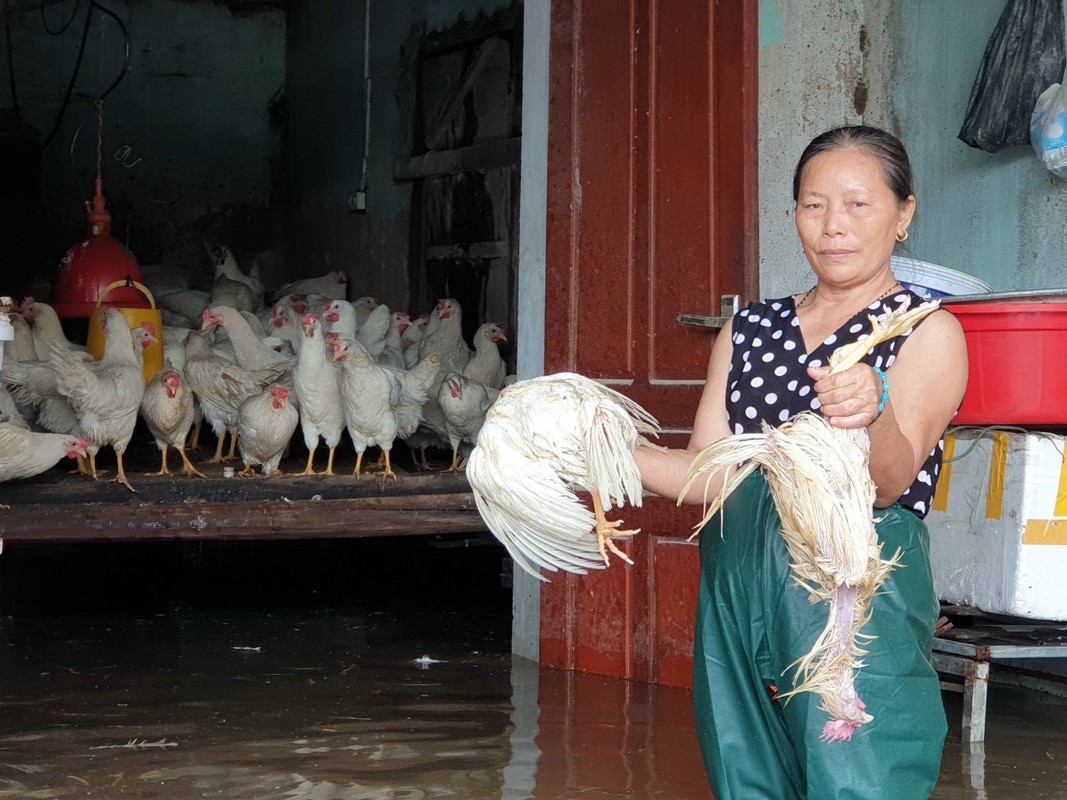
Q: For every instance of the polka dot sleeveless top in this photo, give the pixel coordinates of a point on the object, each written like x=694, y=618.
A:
x=768, y=377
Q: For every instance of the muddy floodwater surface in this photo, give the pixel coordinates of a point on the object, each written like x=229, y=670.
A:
x=267, y=675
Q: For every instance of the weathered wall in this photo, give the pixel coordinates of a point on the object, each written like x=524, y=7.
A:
x=908, y=66
x=190, y=150
x=998, y=216
x=325, y=135
x=822, y=64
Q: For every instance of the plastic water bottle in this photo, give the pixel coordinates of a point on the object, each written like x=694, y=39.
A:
x=7, y=332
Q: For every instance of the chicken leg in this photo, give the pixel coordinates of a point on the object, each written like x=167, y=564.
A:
x=309, y=468
x=120, y=476
x=388, y=468
x=194, y=443
x=188, y=468
x=163, y=468
x=607, y=530
x=218, y=458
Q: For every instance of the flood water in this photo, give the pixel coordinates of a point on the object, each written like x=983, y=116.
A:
x=356, y=671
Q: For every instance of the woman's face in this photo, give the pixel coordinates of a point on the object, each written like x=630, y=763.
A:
x=847, y=216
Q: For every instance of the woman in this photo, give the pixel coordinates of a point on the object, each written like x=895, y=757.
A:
x=854, y=203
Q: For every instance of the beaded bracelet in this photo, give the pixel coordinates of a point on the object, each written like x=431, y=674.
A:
x=885, y=389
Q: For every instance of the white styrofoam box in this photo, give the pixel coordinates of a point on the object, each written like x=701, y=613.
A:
x=998, y=528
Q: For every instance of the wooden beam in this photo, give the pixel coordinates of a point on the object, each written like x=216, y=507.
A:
x=357, y=517
x=469, y=250
x=453, y=105
x=59, y=507
x=473, y=158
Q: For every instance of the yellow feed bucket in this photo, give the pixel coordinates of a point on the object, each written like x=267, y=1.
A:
x=153, y=354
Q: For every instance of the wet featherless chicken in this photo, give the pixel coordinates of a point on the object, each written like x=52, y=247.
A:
x=821, y=485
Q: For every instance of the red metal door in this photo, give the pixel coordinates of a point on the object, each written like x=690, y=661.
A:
x=651, y=212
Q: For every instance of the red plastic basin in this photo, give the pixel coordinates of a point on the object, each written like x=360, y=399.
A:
x=1016, y=353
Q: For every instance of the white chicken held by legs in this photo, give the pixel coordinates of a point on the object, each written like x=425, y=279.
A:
x=543, y=439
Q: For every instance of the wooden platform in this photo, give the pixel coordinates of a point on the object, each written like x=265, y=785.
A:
x=59, y=506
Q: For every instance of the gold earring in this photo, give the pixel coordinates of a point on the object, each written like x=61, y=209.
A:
x=903, y=237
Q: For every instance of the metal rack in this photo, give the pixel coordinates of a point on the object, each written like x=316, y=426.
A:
x=979, y=641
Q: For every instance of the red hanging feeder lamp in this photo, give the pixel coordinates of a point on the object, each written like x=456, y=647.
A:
x=87, y=269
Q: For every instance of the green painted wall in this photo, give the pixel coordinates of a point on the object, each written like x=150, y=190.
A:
x=1001, y=217
x=997, y=217
x=190, y=150
x=325, y=135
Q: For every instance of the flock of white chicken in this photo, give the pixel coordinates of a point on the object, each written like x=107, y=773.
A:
x=254, y=366
x=255, y=372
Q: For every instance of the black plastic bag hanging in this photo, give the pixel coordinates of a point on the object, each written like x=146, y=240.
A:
x=1024, y=56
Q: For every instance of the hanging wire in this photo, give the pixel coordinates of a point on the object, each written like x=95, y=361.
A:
x=93, y=6
x=73, y=14
x=99, y=140
x=11, y=67
x=70, y=84
x=981, y=431
x=125, y=48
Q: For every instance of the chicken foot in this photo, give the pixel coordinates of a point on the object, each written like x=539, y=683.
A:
x=187, y=466
x=384, y=461
x=456, y=465
x=120, y=476
x=163, y=468
x=388, y=473
x=607, y=531
x=218, y=458
x=309, y=468
x=418, y=456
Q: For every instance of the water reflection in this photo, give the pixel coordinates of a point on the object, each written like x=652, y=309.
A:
x=407, y=701
x=326, y=705
x=1024, y=754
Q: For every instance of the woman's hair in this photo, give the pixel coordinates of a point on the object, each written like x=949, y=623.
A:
x=884, y=146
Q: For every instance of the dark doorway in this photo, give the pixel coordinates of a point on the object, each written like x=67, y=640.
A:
x=465, y=169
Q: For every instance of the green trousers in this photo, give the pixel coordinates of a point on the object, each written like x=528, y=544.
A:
x=753, y=622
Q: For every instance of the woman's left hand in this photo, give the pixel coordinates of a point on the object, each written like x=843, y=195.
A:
x=849, y=399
